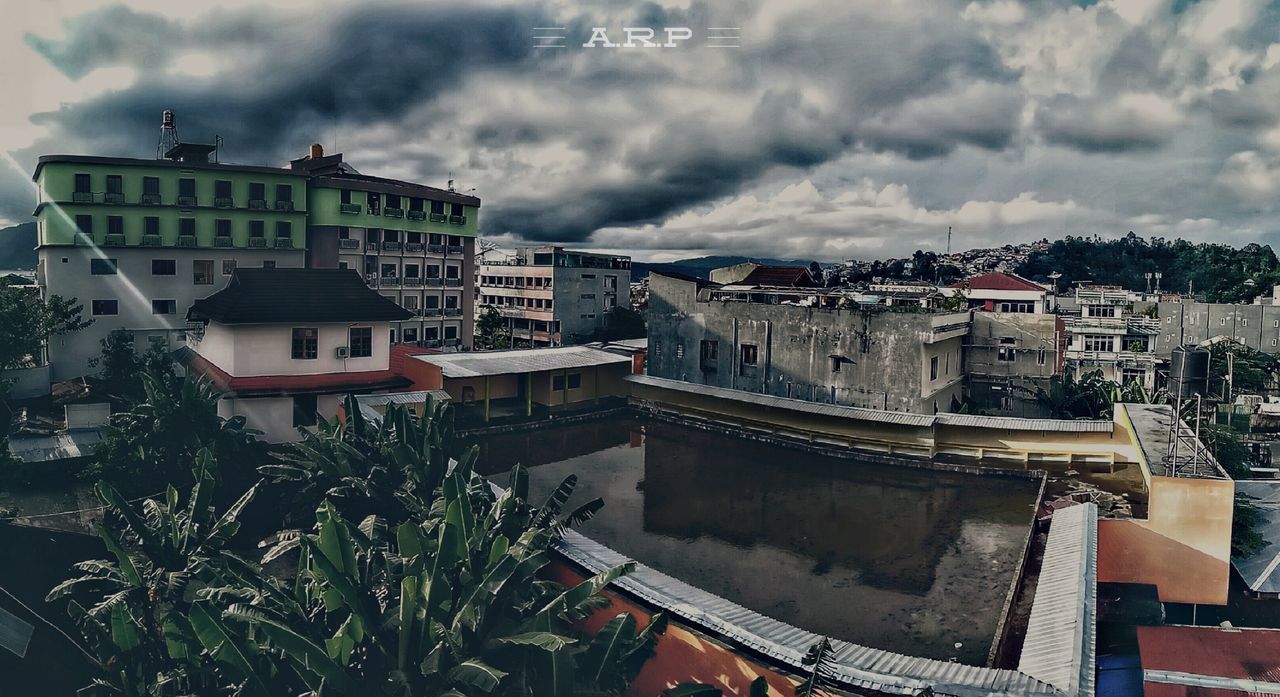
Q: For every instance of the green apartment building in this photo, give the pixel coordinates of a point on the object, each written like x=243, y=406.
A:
x=136, y=241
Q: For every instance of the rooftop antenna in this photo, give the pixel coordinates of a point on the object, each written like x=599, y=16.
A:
x=168, y=134
x=218, y=142
x=948, y=240
x=450, y=186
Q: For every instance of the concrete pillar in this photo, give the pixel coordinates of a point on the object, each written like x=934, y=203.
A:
x=486, y=399
x=528, y=394
x=564, y=394
x=596, y=392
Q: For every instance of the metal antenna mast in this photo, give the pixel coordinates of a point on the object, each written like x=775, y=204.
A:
x=168, y=134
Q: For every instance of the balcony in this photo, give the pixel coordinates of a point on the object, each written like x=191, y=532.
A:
x=149, y=200
x=453, y=282
x=284, y=243
x=438, y=218
x=453, y=312
x=187, y=201
x=454, y=249
x=82, y=197
x=223, y=241
x=348, y=243
x=114, y=240
x=389, y=281
x=432, y=282
x=413, y=281
x=223, y=203
x=372, y=247
x=150, y=240
x=416, y=215
x=413, y=247
x=429, y=312
x=257, y=204
x=457, y=220
x=286, y=206
x=435, y=248
x=350, y=208
x=452, y=342
x=186, y=240
x=113, y=198
x=391, y=246
x=258, y=242
x=430, y=343
x=393, y=212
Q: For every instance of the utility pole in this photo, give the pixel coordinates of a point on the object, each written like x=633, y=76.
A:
x=948, y=240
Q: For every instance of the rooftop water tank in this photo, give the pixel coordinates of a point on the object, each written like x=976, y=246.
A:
x=1189, y=371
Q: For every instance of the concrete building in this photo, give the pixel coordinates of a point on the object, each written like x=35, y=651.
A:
x=1003, y=292
x=1009, y=357
x=805, y=343
x=550, y=296
x=1108, y=332
x=1256, y=326
x=284, y=345
x=138, y=240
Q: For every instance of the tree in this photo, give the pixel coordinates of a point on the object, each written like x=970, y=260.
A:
x=27, y=322
x=1066, y=397
x=119, y=366
x=620, y=324
x=491, y=330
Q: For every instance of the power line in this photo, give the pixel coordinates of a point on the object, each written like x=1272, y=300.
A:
x=55, y=627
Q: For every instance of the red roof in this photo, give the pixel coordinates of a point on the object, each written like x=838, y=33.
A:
x=399, y=352
x=998, y=281
x=1207, y=652
x=779, y=276
x=283, y=385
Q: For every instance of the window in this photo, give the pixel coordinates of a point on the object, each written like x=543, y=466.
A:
x=393, y=201
x=437, y=207
x=344, y=196
x=106, y=307
x=411, y=270
x=836, y=362
x=228, y=266
x=164, y=267
x=257, y=229
x=84, y=223
x=410, y=335
x=610, y=282
x=257, y=191
x=115, y=184
x=451, y=301
x=451, y=332
x=304, y=410
x=410, y=302
x=164, y=307
x=575, y=381
x=269, y=264
x=1006, y=351
x=1099, y=343
x=708, y=350
x=305, y=346
x=151, y=187
x=222, y=193
x=456, y=209
x=222, y=227
x=103, y=267
x=588, y=276
x=588, y=296
x=1040, y=357
x=186, y=192
x=388, y=271
x=1100, y=310
x=451, y=272
x=202, y=272
x=933, y=368
x=284, y=230
x=284, y=195
x=115, y=225
x=187, y=227
x=361, y=342
x=680, y=350
x=83, y=185
x=749, y=354
x=1017, y=307
x=415, y=204
x=374, y=202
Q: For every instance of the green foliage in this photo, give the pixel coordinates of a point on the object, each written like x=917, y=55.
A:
x=1218, y=271
x=818, y=661
x=1250, y=370
x=1245, y=521
x=159, y=437
x=622, y=323
x=1227, y=449
x=28, y=321
x=1088, y=397
x=119, y=365
x=491, y=330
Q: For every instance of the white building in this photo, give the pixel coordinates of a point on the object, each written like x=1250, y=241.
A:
x=1108, y=335
x=1003, y=292
x=287, y=344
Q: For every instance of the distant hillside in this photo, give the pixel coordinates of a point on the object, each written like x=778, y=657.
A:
x=702, y=266
x=18, y=247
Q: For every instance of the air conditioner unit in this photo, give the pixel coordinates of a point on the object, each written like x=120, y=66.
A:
x=342, y=352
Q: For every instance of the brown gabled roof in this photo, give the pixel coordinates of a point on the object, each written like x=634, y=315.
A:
x=268, y=296
x=998, y=281
x=789, y=276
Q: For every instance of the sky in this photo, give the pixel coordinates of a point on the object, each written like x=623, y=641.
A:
x=829, y=129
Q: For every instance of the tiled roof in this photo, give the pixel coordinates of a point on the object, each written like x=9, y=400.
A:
x=267, y=296
x=998, y=281
x=779, y=276
x=285, y=385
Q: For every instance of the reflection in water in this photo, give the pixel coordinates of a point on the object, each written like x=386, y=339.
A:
x=908, y=560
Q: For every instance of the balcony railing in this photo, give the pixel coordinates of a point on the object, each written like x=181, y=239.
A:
x=452, y=311
x=416, y=215
x=186, y=240
x=284, y=243
x=389, y=281
x=371, y=247
x=391, y=246
x=413, y=246
x=393, y=212
x=187, y=201
x=150, y=240
x=257, y=204
x=457, y=220
x=223, y=203
x=82, y=197
x=453, y=282
x=114, y=240
x=430, y=343
x=286, y=206
x=454, y=249
x=452, y=342
x=413, y=281
x=260, y=242
x=429, y=312
x=348, y=243
x=149, y=200
x=438, y=218
x=433, y=282
x=223, y=242
x=350, y=208
x=435, y=248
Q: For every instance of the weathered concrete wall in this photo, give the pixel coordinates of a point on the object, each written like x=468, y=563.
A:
x=1008, y=356
x=1257, y=326
x=896, y=361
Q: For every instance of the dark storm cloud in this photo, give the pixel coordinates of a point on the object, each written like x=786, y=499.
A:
x=1103, y=126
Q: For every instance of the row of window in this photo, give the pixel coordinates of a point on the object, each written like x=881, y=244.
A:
x=222, y=196
x=429, y=302
x=1192, y=338
x=411, y=270
x=1222, y=321
x=515, y=281
x=376, y=202
x=376, y=235
x=201, y=269
x=186, y=226
x=521, y=302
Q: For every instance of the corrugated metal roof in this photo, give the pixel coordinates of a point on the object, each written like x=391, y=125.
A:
x=1059, y=645
x=854, y=666
x=367, y=402
x=15, y=633
x=65, y=445
x=901, y=418
x=1209, y=658
x=1259, y=569
x=469, y=365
